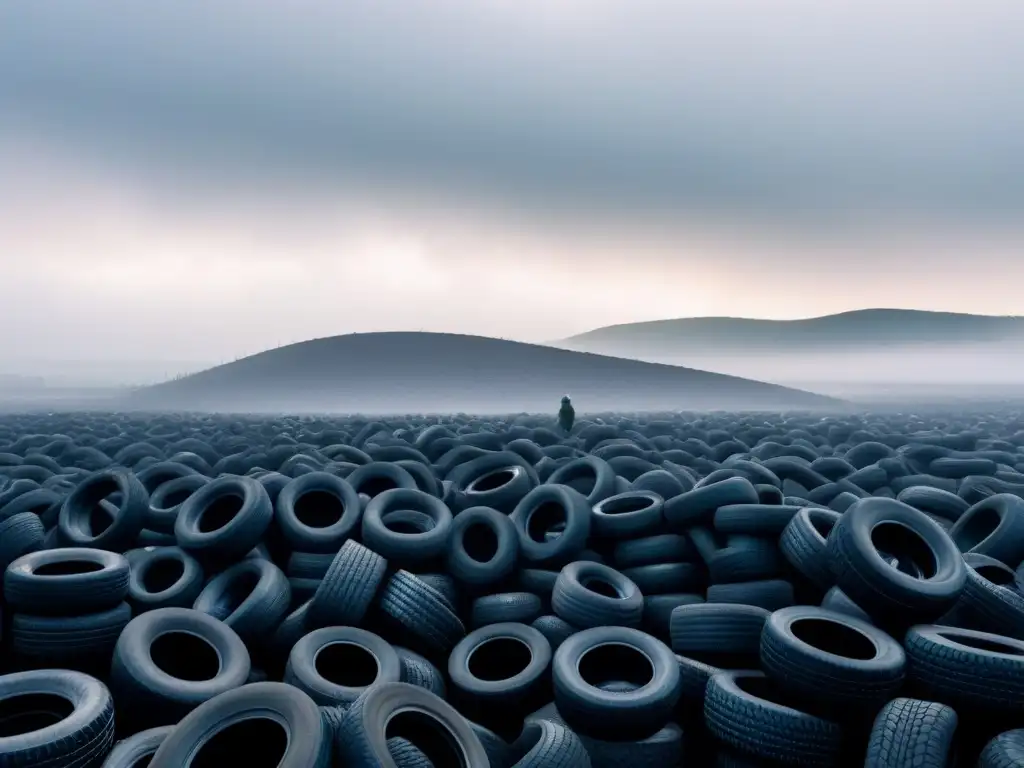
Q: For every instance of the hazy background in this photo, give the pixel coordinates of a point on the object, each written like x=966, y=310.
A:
x=188, y=181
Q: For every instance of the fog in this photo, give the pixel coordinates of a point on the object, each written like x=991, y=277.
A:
x=982, y=371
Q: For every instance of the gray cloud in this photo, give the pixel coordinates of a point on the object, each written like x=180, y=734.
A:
x=789, y=108
x=186, y=181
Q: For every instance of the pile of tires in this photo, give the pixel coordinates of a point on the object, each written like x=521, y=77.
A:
x=649, y=590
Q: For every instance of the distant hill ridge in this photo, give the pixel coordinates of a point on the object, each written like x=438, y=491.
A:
x=858, y=328
x=435, y=372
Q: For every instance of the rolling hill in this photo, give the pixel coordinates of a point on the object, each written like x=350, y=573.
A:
x=434, y=372
x=860, y=329
x=860, y=354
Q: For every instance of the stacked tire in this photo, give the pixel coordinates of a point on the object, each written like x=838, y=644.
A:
x=656, y=590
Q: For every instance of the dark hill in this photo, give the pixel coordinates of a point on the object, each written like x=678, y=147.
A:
x=432, y=372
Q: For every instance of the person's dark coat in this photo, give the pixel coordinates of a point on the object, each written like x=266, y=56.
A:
x=566, y=415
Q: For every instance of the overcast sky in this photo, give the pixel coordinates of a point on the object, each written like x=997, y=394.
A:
x=193, y=180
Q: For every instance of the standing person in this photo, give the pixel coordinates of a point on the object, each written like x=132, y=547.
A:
x=566, y=415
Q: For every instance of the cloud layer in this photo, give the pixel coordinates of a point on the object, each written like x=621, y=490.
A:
x=785, y=107
x=193, y=180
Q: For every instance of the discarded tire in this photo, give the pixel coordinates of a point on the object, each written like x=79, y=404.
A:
x=647, y=590
x=276, y=721
x=612, y=654
x=335, y=665
x=838, y=663
x=169, y=661
x=57, y=718
x=929, y=574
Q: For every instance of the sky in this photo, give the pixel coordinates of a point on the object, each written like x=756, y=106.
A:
x=188, y=181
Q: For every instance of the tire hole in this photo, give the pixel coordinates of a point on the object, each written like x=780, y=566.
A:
x=403, y=526
x=601, y=586
x=500, y=658
x=907, y=546
x=374, y=486
x=263, y=742
x=984, y=644
x=67, y=568
x=833, y=637
x=480, y=542
x=318, y=509
x=622, y=505
x=976, y=528
x=996, y=575
x=823, y=524
x=493, y=480
x=428, y=734
x=346, y=664
x=162, y=574
x=545, y=519
x=100, y=518
x=408, y=521
x=185, y=656
x=615, y=662
x=220, y=512
x=32, y=712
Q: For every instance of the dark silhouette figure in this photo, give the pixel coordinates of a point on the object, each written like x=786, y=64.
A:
x=566, y=415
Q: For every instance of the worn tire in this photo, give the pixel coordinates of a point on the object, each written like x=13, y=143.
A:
x=993, y=527
x=483, y=547
x=66, y=581
x=804, y=545
x=539, y=511
x=717, y=629
x=418, y=670
x=544, y=744
x=334, y=665
x=836, y=663
x=742, y=710
x=969, y=670
x=627, y=515
x=504, y=607
x=317, y=512
x=348, y=588
x=79, y=739
x=305, y=742
x=588, y=594
x=407, y=549
x=133, y=751
x=361, y=741
x=224, y=519
x=20, y=534
x=76, y=524
x=910, y=733
x=419, y=615
x=875, y=525
x=252, y=597
x=166, y=577
x=616, y=654
x=169, y=661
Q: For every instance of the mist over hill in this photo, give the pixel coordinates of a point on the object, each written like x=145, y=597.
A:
x=865, y=353
x=435, y=372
